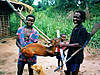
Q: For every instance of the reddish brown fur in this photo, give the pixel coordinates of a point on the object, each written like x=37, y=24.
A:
x=39, y=49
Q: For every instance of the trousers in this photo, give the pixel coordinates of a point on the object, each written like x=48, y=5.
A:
x=72, y=69
x=21, y=68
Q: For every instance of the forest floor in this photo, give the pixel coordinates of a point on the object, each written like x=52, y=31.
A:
x=9, y=56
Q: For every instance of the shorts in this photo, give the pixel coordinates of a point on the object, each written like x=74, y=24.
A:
x=73, y=67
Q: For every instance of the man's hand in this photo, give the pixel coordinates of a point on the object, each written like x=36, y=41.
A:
x=64, y=44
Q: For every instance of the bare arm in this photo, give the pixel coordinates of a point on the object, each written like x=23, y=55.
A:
x=18, y=43
x=74, y=45
x=70, y=45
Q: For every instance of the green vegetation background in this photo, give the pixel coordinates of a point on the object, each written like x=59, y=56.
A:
x=52, y=19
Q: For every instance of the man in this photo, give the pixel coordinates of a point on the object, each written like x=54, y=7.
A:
x=26, y=35
x=78, y=38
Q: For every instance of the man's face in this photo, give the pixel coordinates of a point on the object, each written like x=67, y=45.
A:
x=76, y=18
x=30, y=21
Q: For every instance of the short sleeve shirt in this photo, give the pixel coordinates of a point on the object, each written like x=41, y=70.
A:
x=32, y=38
x=79, y=35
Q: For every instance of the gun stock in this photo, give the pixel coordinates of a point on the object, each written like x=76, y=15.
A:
x=95, y=28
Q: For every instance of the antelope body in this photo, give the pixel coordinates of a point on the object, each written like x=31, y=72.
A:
x=39, y=49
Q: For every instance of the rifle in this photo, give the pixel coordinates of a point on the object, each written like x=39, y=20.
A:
x=95, y=28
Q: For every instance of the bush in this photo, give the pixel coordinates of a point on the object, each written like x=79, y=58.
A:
x=52, y=19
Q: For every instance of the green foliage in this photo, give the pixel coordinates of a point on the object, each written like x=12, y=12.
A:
x=53, y=19
x=29, y=2
x=1, y=72
x=96, y=7
x=49, y=22
x=93, y=52
x=15, y=22
x=95, y=40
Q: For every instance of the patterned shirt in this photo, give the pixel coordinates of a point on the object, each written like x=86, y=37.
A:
x=33, y=37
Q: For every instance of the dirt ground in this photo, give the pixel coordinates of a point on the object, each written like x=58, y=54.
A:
x=9, y=55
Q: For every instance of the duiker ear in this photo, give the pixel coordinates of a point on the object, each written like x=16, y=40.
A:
x=49, y=42
x=57, y=40
x=52, y=42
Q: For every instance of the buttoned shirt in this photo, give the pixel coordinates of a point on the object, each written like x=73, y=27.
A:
x=33, y=37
